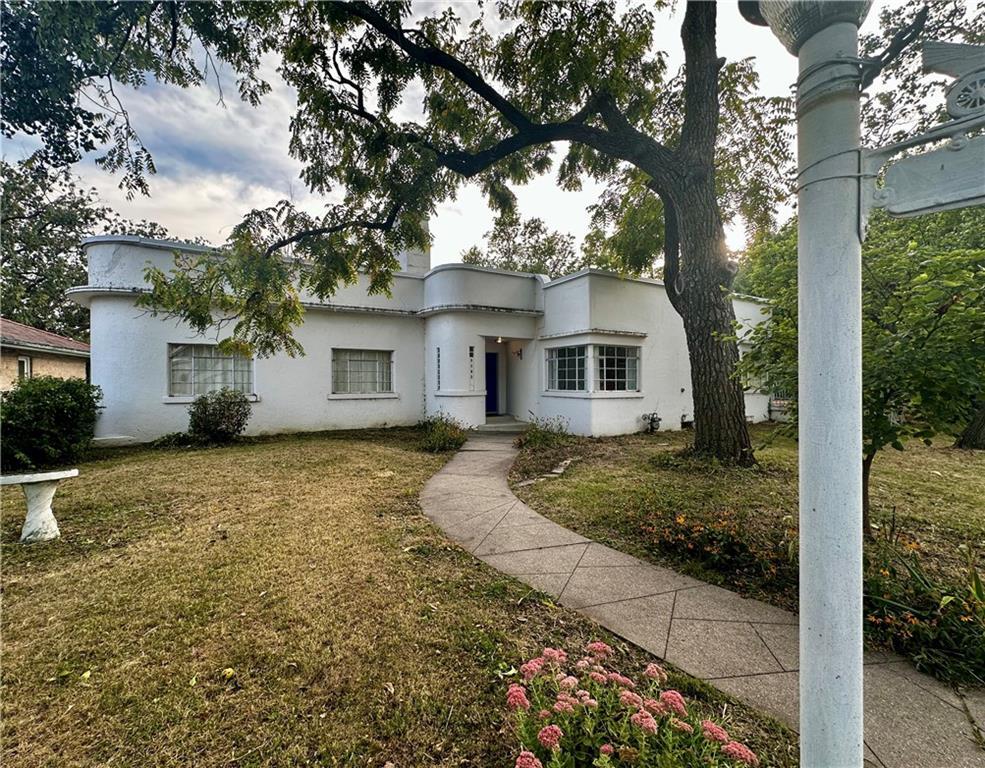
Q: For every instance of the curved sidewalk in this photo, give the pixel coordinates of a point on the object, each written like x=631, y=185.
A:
x=745, y=648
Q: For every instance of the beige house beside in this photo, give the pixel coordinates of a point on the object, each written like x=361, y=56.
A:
x=27, y=352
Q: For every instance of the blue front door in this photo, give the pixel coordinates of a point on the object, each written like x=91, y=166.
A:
x=492, y=382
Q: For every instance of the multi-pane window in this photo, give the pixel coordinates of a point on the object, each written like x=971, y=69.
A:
x=361, y=371
x=23, y=367
x=471, y=369
x=437, y=368
x=194, y=369
x=616, y=368
x=566, y=368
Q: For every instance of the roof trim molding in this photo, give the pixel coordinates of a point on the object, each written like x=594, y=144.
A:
x=20, y=346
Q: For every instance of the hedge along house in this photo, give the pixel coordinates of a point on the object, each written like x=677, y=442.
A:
x=593, y=348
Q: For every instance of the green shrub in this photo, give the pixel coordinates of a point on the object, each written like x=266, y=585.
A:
x=218, y=417
x=940, y=626
x=47, y=422
x=442, y=433
x=551, y=432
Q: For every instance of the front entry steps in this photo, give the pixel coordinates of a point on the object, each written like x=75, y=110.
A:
x=506, y=424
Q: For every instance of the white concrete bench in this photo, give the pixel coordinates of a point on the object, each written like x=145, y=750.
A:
x=39, y=490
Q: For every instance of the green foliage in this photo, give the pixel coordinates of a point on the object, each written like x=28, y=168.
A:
x=923, y=322
x=504, y=86
x=544, y=432
x=442, y=433
x=938, y=625
x=218, y=417
x=44, y=216
x=526, y=245
x=47, y=422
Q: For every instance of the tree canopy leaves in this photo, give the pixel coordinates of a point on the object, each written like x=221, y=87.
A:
x=923, y=322
x=44, y=216
x=398, y=107
x=526, y=245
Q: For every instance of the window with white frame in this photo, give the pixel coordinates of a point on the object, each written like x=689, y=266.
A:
x=471, y=369
x=23, y=367
x=617, y=368
x=566, y=368
x=195, y=369
x=362, y=371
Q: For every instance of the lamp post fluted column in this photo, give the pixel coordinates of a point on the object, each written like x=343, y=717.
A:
x=830, y=401
x=824, y=36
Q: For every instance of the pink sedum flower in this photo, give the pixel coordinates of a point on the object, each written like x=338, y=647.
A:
x=680, y=725
x=599, y=650
x=590, y=704
x=598, y=677
x=544, y=714
x=569, y=683
x=516, y=698
x=550, y=736
x=607, y=749
x=630, y=699
x=714, y=732
x=554, y=656
x=532, y=668
x=528, y=760
x=621, y=680
x=655, y=672
x=654, y=706
x=644, y=721
x=565, y=704
x=740, y=752
x=674, y=702
x=583, y=665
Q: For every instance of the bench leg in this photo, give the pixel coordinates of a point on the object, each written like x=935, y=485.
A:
x=40, y=524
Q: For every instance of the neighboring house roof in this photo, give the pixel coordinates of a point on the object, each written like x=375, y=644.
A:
x=19, y=336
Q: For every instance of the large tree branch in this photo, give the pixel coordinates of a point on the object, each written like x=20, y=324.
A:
x=383, y=225
x=621, y=140
x=435, y=57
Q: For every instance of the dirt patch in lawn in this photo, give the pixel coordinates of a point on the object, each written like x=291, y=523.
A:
x=279, y=602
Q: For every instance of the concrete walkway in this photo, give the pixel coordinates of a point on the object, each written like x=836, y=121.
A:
x=744, y=647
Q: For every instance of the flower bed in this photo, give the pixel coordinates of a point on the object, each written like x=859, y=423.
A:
x=585, y=713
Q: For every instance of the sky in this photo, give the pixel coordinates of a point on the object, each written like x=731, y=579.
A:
x=217, y=161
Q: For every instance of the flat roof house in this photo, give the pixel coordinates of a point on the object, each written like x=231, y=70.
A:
x=26, y=351
x=593, y=348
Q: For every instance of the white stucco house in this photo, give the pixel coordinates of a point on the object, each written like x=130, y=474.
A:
x=592, y=347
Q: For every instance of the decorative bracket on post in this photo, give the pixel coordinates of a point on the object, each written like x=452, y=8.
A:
x=952, y=176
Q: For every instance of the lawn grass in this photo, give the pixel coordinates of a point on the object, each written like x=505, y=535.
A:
x=278, y=602
x=617, y=489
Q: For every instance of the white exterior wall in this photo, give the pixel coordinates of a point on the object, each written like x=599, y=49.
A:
x=292, y=394
x=451, y=308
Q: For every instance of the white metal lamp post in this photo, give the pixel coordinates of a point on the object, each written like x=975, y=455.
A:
x=824, y=36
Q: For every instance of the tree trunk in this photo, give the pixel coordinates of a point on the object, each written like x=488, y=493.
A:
x=974, y=434
x=701, y=297
x=866, y=471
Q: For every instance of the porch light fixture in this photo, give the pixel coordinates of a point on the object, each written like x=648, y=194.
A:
x=499, y=339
